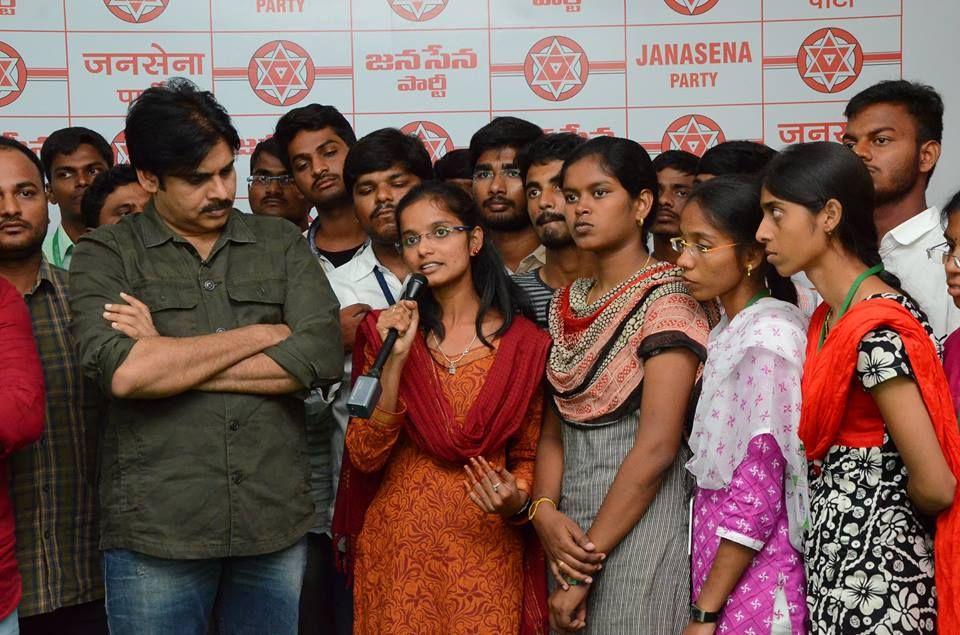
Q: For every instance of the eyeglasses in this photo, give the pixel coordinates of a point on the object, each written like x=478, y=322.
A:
x=264, y=180
x=487, y=175
x=680, y=245
x=438, y=234
x=942, y=253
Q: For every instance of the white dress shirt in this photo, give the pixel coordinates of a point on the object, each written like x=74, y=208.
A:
x=355, y=283
x=904, y=253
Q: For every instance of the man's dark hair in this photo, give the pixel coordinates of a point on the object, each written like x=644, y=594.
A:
x=311, y=117
x=383, y=149
x=171, y=128
x=735, y=157
x=66, y=141
x=269, y=146
x=453, y=165
x=679, y=160
x=551, y=147
x=503, y=132
x=8, y=143
x=103, y=186
x=922, y=102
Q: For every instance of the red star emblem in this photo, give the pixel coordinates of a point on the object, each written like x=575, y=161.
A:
x=136, y=11
x=418, y=10
x=119, y=145
x=13, y=74
x=693, y=133
x=281, y=73
x=830, y=60
x=435, y=139
x=691, y=7
x=556, y=68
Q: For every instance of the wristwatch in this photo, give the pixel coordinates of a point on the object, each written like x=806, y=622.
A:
x=700, y=616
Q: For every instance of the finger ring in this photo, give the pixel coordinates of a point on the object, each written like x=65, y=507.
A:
x=496, y=486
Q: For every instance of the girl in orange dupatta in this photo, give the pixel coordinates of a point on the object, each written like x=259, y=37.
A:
x=435, y=483
x=876, y=420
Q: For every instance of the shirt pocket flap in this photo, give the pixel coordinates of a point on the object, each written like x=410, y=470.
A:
x=159, y=296
x=270, y=291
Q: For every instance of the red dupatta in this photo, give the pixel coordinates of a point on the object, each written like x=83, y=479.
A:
x=827, y=380
x=494, y=418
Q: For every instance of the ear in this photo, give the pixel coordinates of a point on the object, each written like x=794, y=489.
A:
x=475, y=244
x=51, y=197
x=830, y=216
x=752, y=258
x=642, y=206
x=929, y=155
x=148, y=181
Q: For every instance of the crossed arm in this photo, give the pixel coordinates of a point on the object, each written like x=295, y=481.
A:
x=159, y=366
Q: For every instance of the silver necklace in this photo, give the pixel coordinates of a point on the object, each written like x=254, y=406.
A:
x=452, y=363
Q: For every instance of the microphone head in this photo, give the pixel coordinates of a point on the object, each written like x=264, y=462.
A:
x=415, y=285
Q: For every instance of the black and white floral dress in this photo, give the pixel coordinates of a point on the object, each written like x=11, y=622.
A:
x=869, y=552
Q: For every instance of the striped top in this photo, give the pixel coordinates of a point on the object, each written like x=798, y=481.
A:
x=539, y=293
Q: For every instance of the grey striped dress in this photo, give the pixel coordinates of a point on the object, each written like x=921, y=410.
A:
x=644, y=587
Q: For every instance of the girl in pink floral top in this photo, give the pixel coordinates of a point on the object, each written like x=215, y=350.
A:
x=750, y=506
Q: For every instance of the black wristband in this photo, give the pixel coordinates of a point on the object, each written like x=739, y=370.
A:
x=700, y=616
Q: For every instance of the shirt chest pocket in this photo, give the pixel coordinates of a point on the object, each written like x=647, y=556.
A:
x=173, y=305
x=257, y=301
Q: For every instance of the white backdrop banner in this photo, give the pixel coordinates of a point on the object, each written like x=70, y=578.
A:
x=668, y=73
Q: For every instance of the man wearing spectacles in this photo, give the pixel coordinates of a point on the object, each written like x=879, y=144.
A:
x=271, y=188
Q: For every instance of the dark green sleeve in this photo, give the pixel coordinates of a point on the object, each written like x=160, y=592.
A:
x=314, y=351
x=97, y=278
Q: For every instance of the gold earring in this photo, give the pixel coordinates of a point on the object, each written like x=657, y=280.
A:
x=749, y=269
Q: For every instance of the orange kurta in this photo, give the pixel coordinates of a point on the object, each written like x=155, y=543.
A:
x=428, y=559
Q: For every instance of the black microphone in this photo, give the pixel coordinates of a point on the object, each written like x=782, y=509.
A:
x=366, y=391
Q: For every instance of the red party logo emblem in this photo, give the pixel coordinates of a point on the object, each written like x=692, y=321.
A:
x=281, y=73
x=119, y=145
x=693, y=133
x=418, y=10
x=13, y=74
x=137, y=11
x=691, y=7
x=556, y=68
x=830, y=60
x=435, y=139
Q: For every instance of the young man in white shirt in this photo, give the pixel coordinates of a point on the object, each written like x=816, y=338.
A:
x=896, y=128
x=379, y=170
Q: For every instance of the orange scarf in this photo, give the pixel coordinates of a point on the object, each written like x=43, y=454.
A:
x=827, y=380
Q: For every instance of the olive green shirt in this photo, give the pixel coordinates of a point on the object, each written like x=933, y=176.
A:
x=201, y=474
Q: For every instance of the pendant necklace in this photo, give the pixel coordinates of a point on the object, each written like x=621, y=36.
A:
x=452, y=363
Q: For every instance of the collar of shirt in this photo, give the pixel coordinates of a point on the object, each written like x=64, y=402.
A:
x=156, y=232
x=311, y=236
x=911, y=230
x=535, y=260
x=61, y=246
x=363, y=264
x=44, y=275
x=355, y=281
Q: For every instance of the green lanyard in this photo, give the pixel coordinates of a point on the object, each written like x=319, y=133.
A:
x=872, y=271
x=760, y=295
